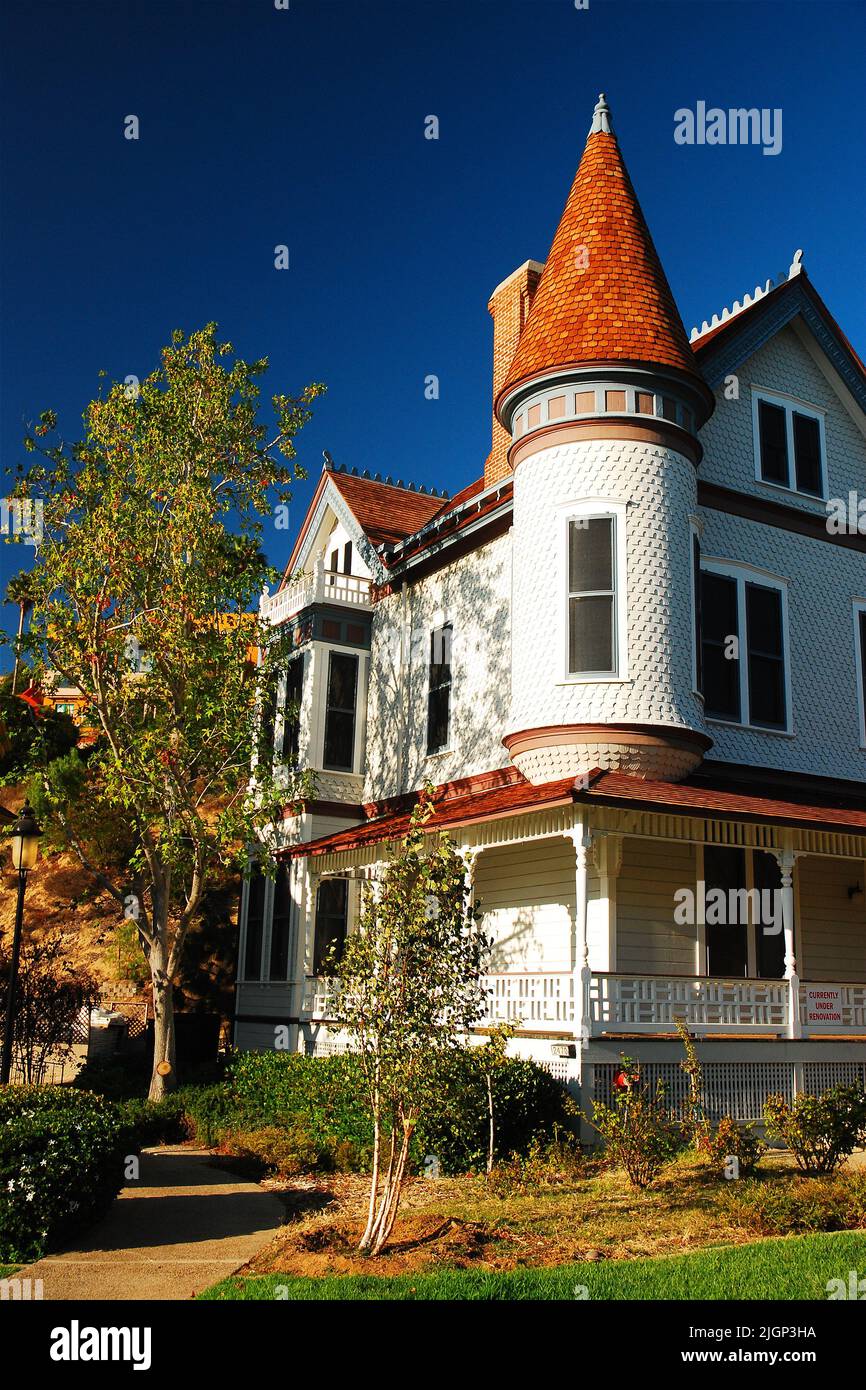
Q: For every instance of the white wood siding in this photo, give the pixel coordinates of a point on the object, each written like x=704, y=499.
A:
x=527, y=897
x=649, y=941
x=832, y=942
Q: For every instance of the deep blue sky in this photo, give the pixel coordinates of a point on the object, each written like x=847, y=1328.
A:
x=305, y=127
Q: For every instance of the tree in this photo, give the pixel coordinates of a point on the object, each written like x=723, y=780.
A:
x=493, y=1056
x=149, y=566
x=411, y=984
x=51, y=993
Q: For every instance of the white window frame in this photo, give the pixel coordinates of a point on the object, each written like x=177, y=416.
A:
x=696, y=532
x=743, y=574
x=596, y=509
x=442, y=618
x=791, y=406
x=860, y=666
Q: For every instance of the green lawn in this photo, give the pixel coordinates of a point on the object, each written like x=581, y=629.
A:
x=793, y=1267
x=7, y=1270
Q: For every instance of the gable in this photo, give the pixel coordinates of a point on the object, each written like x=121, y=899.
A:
x=786, y=363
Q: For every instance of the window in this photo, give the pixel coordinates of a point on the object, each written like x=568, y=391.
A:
x=267, y=721
x=255, y=924
x=696, y=610
x=279, y=962
x=766, y=656
x=347, y=558
x=769, y=937
x=340, y=712
x=439, y=691
x=331, y=913
x=744, y=648
x=743, y=933
x=727, y=940
x=335, y=561
x=860, y=663
x=292, y=710
x=789, y=445
x=592, y=615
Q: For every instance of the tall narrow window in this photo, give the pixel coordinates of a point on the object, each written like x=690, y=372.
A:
x=334, y=561
x=727, y=940
x=696, y=602
x=347, y=558
x=766, y=656
x=439, y=690
x=774, y=443
x=340, y=712
x=292, y=710
x=279, y=963
x=267, y=720
x=720, y=623
x=860, y=661
x=331, y=913
x=255, y=925
x=592, y=634
x=770, y=937
x=807, y=454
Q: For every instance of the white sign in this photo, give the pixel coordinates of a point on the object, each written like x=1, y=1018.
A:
x=823, y=1005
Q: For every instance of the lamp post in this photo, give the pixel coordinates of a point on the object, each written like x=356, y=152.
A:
x=25, y=847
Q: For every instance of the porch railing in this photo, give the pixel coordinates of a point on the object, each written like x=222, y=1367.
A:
x=647, y=1003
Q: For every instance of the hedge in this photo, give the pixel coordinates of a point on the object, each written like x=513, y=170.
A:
x=327, y=1095
x=61, y=1164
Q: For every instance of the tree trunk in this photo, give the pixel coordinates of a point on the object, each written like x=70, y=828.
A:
x=162, y=1081
x=491, y=1127
x=391, y=1201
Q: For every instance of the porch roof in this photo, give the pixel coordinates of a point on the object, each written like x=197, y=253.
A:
x=505, y=792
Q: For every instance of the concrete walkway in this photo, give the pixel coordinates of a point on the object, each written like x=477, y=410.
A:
x=182, y=1226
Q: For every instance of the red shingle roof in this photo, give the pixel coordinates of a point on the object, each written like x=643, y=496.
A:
x=506, y=792
x=613, y=305
x=456, y=804
x=384, y=512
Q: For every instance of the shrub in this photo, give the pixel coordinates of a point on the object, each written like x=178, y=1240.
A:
x=638, y=1133
x=729, y=1140
x=279, y=1088
x=61, y=1153
x=151, y=1122
x=819, y=1130
x=530, y=1108
x=208, y=1112
x=780, y=1208
x=551, y=1164
x=289, y=1151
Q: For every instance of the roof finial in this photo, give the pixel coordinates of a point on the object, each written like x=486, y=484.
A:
x=601, y=117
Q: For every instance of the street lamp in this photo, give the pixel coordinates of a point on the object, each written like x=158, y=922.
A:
x=25, y=847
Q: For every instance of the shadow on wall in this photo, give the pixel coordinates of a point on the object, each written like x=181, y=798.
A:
x=474, y=596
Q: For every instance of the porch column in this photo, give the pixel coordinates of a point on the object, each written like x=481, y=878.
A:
x=581, y=973
x=785, y=859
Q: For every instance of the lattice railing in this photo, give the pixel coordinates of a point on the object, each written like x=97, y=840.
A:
x=645, y=1003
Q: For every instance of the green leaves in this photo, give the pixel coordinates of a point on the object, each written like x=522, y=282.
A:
x=144, y=594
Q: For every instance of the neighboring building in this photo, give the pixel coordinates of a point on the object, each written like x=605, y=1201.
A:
x=631, y=657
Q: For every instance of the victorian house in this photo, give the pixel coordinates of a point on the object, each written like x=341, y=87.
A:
x=631, y=658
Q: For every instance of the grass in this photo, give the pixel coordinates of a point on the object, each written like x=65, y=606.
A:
x=792, y=1268
x=6, y=1271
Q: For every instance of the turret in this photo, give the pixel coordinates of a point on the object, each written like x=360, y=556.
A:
x=602, y=403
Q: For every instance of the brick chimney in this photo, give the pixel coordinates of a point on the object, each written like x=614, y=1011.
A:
x=509, y=306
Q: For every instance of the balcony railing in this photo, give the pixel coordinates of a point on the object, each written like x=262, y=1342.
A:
x=649, y=1003
x=321, y=586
